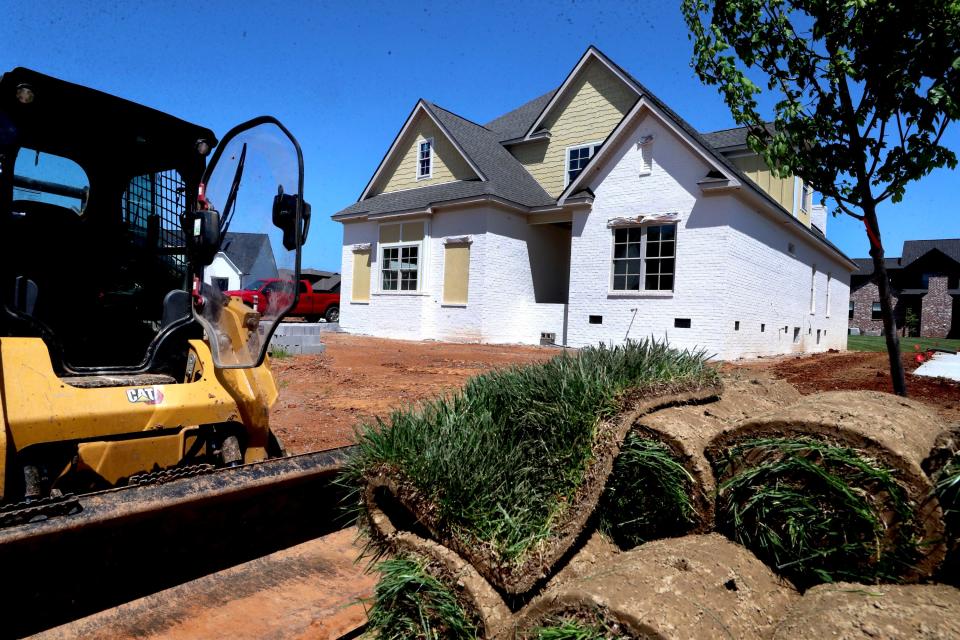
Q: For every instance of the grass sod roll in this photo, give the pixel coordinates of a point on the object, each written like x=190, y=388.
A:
x=698, y=586
x=947, y=486
x=411, y=604
x=649, y=494
x=508, y=470
x=583, y=627
x=831, y=489
x=817, y=512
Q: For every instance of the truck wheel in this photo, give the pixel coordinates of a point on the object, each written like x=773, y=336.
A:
x=333, y=314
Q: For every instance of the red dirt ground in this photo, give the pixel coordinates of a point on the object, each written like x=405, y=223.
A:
x=861, y=370
x=323, y=398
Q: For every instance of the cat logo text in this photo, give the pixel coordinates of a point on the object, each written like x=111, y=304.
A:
x=147, y=395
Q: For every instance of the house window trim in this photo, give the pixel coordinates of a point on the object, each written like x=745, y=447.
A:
x=423, y=244
x=642, y=293
x=566, y=159
x=429, y=174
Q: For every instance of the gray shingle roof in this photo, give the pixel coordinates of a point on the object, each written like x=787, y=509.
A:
x=865, y=265
x=506, y=177
x=915, y=249
x=727, y=138
x=515, y=123
x=243, y=249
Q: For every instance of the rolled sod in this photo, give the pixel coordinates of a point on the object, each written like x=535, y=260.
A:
x=852, y=611
x=427, y=592
x=943, y=468
x=662, y=485
x=508, y=471
x=579, y=627
x=700, y=586
x=831, y=489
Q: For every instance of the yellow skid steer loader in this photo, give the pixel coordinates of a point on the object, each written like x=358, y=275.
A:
x=135, y=442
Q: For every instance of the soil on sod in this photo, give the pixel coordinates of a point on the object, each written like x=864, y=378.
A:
x=508, y=471
x=701, y=586
x=832, y=488
x=845, y=610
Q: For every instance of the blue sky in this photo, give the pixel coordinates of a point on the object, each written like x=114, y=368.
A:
x=344, y=75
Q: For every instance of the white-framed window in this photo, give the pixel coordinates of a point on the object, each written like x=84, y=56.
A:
x=577, y=159
x=644, y=258
x=425, y=159
x=401, y=256
x=401, y=268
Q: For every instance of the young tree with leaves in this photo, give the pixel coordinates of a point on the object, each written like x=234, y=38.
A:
x=864, y=91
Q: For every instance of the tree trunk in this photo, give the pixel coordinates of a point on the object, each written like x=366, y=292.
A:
x=886, y=304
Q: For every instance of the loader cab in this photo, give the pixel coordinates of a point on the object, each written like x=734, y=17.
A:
x=105, y=229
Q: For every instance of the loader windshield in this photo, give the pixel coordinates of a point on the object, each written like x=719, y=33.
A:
x=254, y=181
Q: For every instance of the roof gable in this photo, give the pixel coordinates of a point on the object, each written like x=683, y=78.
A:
x=644, y=106
x=403, y=140
x=913, y=250
x=591, y=56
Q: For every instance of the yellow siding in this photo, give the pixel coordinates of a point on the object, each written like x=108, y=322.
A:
x=594, y=103
x=781, y=189
x=456, y=273
x=401, y=173
x=361, y=276
x=401, y=232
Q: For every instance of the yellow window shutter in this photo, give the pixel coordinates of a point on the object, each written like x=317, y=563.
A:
x=361, y=276
x=456, y=273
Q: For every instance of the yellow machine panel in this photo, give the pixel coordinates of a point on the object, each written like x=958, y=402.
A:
x=41, y=408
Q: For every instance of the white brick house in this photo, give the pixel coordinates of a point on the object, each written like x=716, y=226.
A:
x=591, y=214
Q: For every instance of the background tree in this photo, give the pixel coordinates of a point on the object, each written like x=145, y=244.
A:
x=864, y=90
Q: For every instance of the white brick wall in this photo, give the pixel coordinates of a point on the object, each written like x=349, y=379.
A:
x=501, y=305
x=732, y=264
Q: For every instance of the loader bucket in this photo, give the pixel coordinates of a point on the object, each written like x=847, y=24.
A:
x=130, y=542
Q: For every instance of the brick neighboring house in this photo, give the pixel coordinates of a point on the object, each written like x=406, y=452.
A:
x=924, y=280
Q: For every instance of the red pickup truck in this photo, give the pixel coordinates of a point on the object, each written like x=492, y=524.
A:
x=311, y=305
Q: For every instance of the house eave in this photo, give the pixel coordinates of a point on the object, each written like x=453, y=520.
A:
x=433, y=207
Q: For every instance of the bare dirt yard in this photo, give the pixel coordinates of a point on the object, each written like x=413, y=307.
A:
x=853, y=370
x=324, y=397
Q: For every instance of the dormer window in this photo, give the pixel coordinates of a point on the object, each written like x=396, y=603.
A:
x=425, y=159
x=577, y=159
